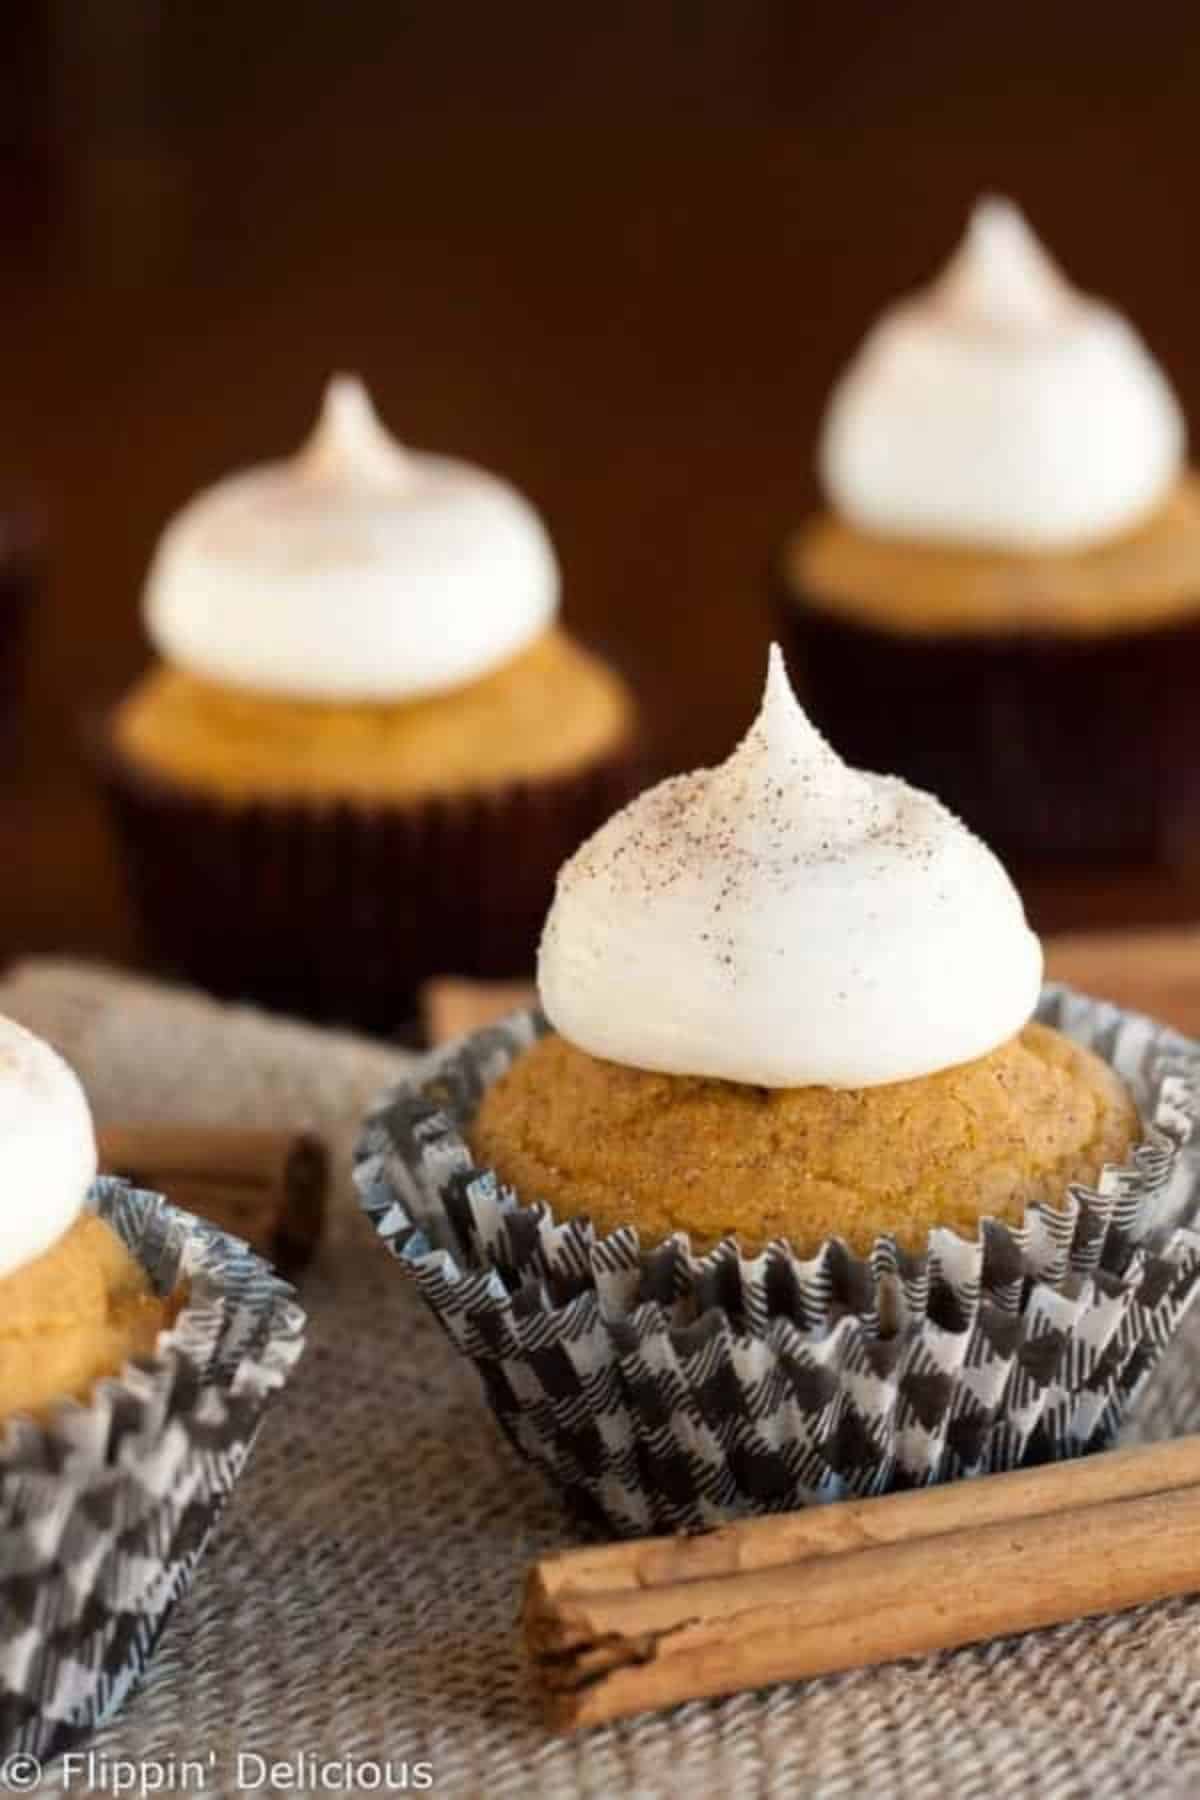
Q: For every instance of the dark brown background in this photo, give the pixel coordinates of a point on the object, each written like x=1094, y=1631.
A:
x=616, y=252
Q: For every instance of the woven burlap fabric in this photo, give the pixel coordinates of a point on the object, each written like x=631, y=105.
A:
x=359, y=1601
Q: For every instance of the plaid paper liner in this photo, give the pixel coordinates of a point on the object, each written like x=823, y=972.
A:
x=105, y=1509
x=662, y=1390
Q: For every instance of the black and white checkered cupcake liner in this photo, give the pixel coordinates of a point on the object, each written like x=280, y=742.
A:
x=106, y=1508
x=662, y=1390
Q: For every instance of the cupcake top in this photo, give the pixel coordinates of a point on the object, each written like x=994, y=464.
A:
x=1001, y=408
x=47, y=1147
x=784, y=921
x=355, y=570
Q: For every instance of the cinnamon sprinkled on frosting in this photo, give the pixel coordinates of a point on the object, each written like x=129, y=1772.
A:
x=784, y=920
x=1001, y=408
x=356, y=570
x=47, y=1147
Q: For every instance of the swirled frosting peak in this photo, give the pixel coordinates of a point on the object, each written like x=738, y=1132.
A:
x=47, y=1147
x=1001, y=407
x=355, y=570
x=785, y=921
x=349, y=445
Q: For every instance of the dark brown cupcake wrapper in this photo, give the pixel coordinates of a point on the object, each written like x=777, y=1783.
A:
x=1046, y=744
x=339, y=910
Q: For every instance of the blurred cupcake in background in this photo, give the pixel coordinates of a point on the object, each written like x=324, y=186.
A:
x=369, y=742
x=1003, y=600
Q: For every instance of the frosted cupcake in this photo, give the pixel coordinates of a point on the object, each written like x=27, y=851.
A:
x=792, y=1000
x=1003, y=599
x=138, y=1351
x=364, y=699
x=74, y=1304
x=799, y=1185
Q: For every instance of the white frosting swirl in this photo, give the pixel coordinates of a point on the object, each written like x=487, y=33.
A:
x=786, y=921
x=355, y=571
x=47, y=1147
x=1001, y=408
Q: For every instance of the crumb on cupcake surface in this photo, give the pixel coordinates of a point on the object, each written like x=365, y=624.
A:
x=718, y=1159
x=1144, y=578
x=550, y=711
x=77, y=1313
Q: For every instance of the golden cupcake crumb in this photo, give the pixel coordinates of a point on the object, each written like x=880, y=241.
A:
x=718, y=1159
x=550, y=711
x=1145, y=578
x=76, y=1313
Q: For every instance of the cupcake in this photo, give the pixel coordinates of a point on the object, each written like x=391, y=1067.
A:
x=798, y=1185
x=369, y=742
x=138, y=1349
x=75, y=1306
x=1002, y=601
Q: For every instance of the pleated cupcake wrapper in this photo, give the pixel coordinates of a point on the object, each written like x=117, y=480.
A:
x=105, y=1508
x=662, y=1390
x=340, y=909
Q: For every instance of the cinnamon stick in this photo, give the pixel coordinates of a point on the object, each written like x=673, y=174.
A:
x=781, y=1538
x=452, y=1006
x=630, y=1627
x=1157, y=971
x=268, y=1187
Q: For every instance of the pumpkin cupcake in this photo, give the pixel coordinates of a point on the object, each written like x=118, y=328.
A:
x=799, y=1186
x=365, y=700
x=74, y=1304
x=1002, y=599
x=138, y=1351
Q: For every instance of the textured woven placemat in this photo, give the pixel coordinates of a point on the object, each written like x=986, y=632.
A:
x=359, y=1601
